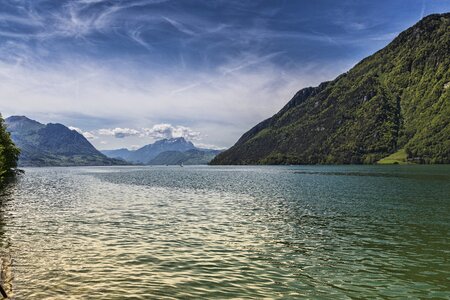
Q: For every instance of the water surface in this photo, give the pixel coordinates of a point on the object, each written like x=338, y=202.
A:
x=227, y=232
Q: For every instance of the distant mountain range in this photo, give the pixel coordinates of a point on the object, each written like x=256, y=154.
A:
x=53, y=145
x=172, y=151
x=57, y=145
x=392, y=107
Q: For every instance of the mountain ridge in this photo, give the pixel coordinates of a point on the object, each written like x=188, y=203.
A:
x=165, y=151
x=53, y=144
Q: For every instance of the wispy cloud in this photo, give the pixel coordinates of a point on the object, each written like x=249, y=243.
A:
x=135, y=34
x=219, y=106
x=422, y=11
x=242, y=63
x=179, y=26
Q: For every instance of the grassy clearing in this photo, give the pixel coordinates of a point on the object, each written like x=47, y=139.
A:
x=398, y=157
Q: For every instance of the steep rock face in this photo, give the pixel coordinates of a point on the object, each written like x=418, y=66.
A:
x=396, y=99
x=53, y=145
x=59, y=139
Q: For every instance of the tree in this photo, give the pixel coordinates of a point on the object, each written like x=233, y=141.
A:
x=9, y=153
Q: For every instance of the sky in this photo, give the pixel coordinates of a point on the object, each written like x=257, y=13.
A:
x=128, y=72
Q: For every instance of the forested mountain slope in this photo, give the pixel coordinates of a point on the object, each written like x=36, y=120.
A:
x=397, y=100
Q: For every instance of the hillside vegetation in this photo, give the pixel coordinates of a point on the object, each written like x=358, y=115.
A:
x=398, y=99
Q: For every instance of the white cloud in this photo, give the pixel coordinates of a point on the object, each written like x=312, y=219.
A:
x=167, y=131
x=76, y=129
x=118, y=132
x=157, y=132
x=86, y=134
x=89, y=135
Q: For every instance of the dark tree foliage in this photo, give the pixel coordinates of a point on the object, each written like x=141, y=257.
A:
x=396, y=99
x=9, y=153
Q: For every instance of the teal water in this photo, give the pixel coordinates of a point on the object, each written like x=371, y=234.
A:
x=338, y=232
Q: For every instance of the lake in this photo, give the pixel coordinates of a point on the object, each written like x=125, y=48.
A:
x=227, y=232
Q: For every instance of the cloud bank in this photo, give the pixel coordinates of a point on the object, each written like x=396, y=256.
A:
x=119, y=133
x=220, y=104
x=157, y=132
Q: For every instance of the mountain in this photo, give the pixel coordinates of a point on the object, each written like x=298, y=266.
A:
x=148, y=152
x=189, y=157
x=9, y=153
x=145, y=154
x=53, y=145
x=122, y=153
x=394, y=104
x=175, y=148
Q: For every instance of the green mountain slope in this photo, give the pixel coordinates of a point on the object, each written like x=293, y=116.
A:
x=53, y=145
x=9, y=153
x=396, y=99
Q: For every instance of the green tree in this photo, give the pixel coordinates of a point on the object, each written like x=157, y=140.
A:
x=9, y=153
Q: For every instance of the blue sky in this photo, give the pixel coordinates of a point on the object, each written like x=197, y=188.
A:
x=126, y=73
